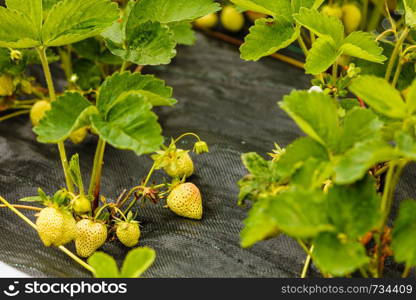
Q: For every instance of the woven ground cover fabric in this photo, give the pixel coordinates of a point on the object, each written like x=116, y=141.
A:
x=232, y=105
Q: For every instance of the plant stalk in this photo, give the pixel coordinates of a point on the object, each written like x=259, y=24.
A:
x=395, y=53
x=52, y=96
x=15, y=114
x=94, y=188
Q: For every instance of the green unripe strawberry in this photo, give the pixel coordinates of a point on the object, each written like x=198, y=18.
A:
x=180, y=166
x=38, y=111
x=78, y=136
x=81, y=205
x=6, y=85
x=332, y=11
x=351, y=17
x=231, y=19
x=128, y=233
x=89, y=237
x=55, y=227
x=207, y=21
x=185, y=200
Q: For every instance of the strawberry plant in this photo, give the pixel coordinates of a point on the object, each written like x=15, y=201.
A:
x=333, y=189
x=115, y=105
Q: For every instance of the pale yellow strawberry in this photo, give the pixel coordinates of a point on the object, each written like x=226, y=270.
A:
x=90, y=236
x=6, y=85
x=207, y=21
x=128, y=233
x=78, y=136
x=180, y=166
x=185, y=200
x=351, y=17
x=55, y=227
x=38, y=111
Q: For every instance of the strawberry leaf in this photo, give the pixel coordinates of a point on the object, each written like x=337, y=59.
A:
x=321, y=56
x=69, y=113
x=150, y=87
x=104, y=265
x=168, y=11
x=411, y=98
x=380, y=96
x=298, y=4
x=347, y=204
x=65, y=24
x=268, y=36
x=301, y=213
x=137, y=262
x=183, y=33
x=129, y=124
x=410, y=12
x=320, y=24
x=362, y=45
x=356, y=162
x=259, y=225
x=403, y=241
x=24, y=33
x=268, y=7
x=30, y=8
x=322, y=126
x=336, y=257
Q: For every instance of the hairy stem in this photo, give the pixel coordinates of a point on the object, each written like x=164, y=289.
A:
x=395, y=53
x=94, y=188
x=52, y=95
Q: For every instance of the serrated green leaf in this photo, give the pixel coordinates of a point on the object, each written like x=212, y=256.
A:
x=69, y=113
x=183, y=33
x=359, y=125
x=268, y=7
x=355, y=163
x=362, y=45
x=149, y=43
x=48, y=4
x=104, y=265
x=410, y=12
x=137, y=262
x=403, y=240
x=297, y=153
x=31, y=8
x=320, y=24
x=336, y=257
x=315, y=113
x=321, y=56
x=347, y=204
x=312, y=173
x=380, y=96
x=152, y=88
x=167, y=11
x=23, y=33
x=300, y=213
x=297, y=4
x=66, y=24
x=255, y=164
x=129, y=124
x=268, y=36
x=259, y=225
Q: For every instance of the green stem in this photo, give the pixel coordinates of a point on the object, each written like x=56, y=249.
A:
x=149, y=175
x=406, y=271
x=94, y=188
x=62, y=248
x=395, y=53
x=335, y=72
x=124, y=66
x=392, y=178
x=302, y=45
x=47, y=71
x=66, y=61
x=15, y=114
x=364, y=15
x=52, y=96
x=100, y=211
x=187, y=134
x=307, y=263
x=397, y=73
